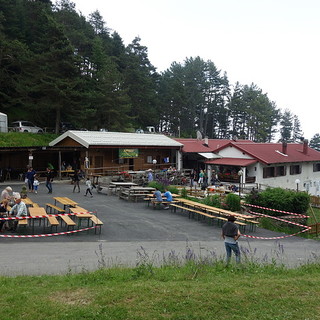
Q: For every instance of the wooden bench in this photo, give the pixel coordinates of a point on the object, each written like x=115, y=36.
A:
x=68, y=221
x=53, y=222
x=35, y=205
x=23, y=223
x=96, y=222
x=54, y=208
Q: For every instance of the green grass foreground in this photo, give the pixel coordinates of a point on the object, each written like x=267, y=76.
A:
x=194, y=291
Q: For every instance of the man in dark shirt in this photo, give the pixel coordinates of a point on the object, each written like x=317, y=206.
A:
x=230, y=234
x=49, y=178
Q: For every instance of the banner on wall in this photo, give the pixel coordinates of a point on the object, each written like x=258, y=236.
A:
x=128, y=153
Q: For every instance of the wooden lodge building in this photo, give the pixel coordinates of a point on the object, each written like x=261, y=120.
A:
x=100, y=152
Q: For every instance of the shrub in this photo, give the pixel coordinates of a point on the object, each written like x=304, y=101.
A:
x=233, y=202
x=184, y=193
x=281, y=199
x=213, y=201
x=157, y=185
x=173, y=189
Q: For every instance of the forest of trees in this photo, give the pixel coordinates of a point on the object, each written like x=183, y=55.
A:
x=57, y=65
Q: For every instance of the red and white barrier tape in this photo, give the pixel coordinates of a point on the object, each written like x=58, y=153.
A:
x=283, y=220
x=269, y=209
x=277, y=218
x=45, y=235
x=47, y=215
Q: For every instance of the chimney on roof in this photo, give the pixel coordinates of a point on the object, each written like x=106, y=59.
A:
x=284, y=147
x=206, y=141
x=305, y=146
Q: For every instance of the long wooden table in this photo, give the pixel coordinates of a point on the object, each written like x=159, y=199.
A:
x=81, y=213
x=41, y=213
x=65, y=201
x=219, y=212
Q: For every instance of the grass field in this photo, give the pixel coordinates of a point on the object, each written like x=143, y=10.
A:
x=193, y=291
x=25, y=139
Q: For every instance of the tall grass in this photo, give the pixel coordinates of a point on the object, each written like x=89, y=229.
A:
x=184, y=287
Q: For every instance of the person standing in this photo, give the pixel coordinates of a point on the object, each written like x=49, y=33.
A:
x=35, y=184
x=49, y=179
x=150, y=175
x=201, y=176
x=30, y=178
x=230, y=234
x=76, y=180
x=89, y=187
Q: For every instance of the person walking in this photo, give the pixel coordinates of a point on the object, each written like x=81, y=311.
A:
x=30, y=178
x=35, y=184
x=230, y=234
x=76, y=180
x=49, y=179
x=89, y=187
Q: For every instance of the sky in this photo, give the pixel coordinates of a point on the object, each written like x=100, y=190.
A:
x=271, y=43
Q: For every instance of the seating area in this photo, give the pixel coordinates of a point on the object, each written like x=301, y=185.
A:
x=200, y=211
x=53, y=218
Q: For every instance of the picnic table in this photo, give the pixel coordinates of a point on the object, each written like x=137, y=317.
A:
x=116, y=186
x=81, y=213
x=40, y=213
x=135, y=193
x=213, y=212
x=65, y=201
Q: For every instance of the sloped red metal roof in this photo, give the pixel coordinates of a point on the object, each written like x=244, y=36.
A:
x=195, y=145
x=273, y=152
x=231, y=162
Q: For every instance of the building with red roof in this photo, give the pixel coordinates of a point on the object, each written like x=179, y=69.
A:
x=286, y=165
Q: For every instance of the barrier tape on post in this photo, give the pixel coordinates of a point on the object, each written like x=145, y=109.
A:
x=46, y=234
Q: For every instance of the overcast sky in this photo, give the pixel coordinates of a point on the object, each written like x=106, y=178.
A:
x=272, y=43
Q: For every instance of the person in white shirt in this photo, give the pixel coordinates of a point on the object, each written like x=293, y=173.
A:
x=89, y=187
x=18, y=210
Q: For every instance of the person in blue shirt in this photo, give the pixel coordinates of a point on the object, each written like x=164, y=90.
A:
x=167, y=194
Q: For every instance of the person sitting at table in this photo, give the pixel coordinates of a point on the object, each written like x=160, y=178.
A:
x=167, y=194
x=19, y=210
x=3, y=212
x=158, y=196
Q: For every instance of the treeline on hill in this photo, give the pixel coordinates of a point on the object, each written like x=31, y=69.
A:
x=57, y=65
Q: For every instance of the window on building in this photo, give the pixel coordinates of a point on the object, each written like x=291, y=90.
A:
x=316, y=167
x=270, y=172
x=295, y=169
x=149, y=159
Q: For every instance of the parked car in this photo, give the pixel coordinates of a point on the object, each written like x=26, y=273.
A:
x=25, y=126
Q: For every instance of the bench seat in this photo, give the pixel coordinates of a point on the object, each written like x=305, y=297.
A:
x=96, y=222
x=54, y=208
x=68, y=221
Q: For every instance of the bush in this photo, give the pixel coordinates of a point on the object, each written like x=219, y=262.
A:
x=281, y=199
x=173, y=189
x=213, y=201
x=233, y=202
x=157, y=185
x=184, y=193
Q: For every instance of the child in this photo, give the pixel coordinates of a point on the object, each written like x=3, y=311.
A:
x=35, y=184
x=89, y=187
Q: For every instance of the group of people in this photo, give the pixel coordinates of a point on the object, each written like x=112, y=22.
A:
x=32, y=181
x=159, y=197
x=11, y=205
